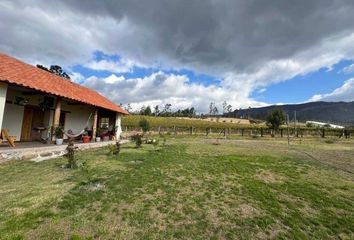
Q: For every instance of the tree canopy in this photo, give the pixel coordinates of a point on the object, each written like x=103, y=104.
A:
x=55, y=69
x=275, y=118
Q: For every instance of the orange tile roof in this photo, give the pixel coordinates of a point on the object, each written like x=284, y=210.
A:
x=20, y=73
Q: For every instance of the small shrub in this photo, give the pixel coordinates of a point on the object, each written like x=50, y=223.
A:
x=145, y=125
x=137, y=138
x=70, y=155
x=114, y=149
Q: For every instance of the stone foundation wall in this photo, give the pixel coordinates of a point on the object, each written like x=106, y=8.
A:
x=43, y=153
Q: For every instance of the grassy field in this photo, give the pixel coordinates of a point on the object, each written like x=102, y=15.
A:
x=191, y=188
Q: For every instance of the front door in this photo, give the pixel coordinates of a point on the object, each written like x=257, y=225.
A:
x=27, y=124
x=32, y=118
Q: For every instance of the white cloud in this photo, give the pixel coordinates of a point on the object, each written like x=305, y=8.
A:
x=160, y=88
x=343, y=93
x=76, y=77
x=348, y=69
x=121, y=66
x=262, y=90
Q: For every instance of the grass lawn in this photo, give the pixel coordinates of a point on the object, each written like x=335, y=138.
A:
x=189, y=189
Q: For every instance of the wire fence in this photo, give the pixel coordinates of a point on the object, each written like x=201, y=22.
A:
x=244, y=132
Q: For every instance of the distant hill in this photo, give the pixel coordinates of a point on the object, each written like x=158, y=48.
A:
x=331, y=112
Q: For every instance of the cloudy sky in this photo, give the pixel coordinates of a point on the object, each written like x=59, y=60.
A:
x=191, y=53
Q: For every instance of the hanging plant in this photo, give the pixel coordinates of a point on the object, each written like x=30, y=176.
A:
x=45, y=104
x=21, y=101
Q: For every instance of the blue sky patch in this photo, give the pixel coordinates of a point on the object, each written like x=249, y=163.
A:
x=301, y=88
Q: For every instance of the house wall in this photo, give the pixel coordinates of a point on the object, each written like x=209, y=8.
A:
x=3, y=91
x=77, y=116
x=13, y=120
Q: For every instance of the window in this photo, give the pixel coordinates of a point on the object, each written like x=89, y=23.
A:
x=104, y=122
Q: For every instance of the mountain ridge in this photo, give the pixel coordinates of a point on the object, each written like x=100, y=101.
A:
x=331, y=112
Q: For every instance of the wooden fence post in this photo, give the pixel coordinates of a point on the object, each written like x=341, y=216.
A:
x=242, y=132
x=159, y=130
x=323, y=132
x=281, y=132
x=206, y=132
x=261, y=132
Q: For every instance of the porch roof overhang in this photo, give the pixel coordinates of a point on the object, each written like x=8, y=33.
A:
x=22, y=74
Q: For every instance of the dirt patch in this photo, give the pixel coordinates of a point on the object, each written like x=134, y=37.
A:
x=269, y=177
x=247, y=211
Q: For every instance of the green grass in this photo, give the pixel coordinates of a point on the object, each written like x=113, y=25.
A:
x=188, y=189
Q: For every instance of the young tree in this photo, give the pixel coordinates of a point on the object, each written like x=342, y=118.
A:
x=145, y=125
x=224, y=107
x=128, y=108
x=167, y=109
x=142, y=110
x=156, y=110
x=229, y=108
x=215, y=110
x=211, y=108
x=276, y=118
x=147, y=111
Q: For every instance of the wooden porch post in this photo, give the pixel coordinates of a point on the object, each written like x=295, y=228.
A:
x=57, y=111
x=94, y=127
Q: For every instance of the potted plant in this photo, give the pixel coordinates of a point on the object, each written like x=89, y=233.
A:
x=85, y=138
x=59, y=133
x=98, y=133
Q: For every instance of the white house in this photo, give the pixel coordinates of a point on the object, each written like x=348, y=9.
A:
x=322, y=124
x=32, y=100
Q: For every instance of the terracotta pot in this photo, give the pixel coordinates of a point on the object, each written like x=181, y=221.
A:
x=85, y=139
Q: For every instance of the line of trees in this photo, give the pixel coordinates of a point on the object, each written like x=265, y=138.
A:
x=166, y=110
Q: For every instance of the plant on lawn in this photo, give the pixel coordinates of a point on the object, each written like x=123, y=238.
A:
x=114, y=149
x=70, y=155
x=145, y=125
x=137, y=138
x=86, y=173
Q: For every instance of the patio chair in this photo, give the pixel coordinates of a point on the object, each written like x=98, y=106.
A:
x=6, y=136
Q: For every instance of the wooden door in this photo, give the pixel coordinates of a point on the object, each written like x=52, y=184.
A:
x=37, y=121
x=27, y=124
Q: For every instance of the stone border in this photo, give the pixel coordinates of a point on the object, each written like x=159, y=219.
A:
x=38, y=154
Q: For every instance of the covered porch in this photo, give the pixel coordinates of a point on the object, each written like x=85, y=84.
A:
x=29, y=117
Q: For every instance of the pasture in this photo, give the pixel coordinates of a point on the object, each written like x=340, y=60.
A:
x=187, y=188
